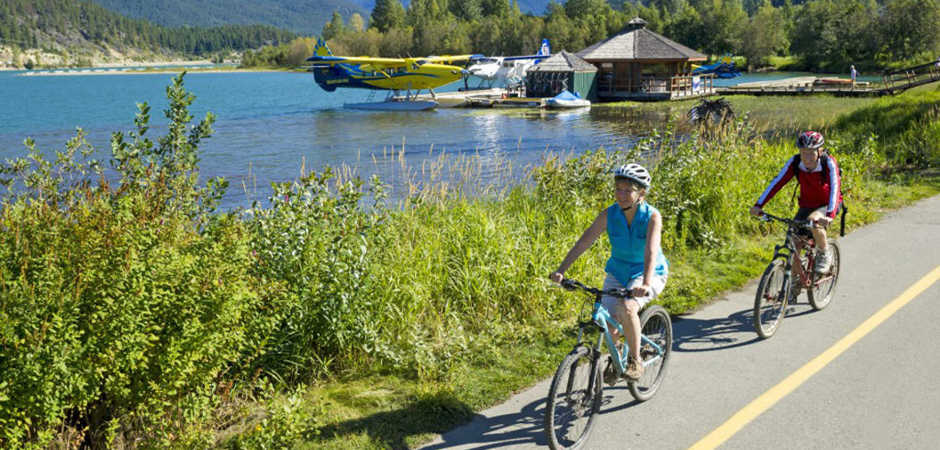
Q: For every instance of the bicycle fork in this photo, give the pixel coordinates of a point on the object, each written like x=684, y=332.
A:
x=787, y=254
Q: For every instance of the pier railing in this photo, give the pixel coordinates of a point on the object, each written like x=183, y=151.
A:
x=907, y=78
x=672, y=86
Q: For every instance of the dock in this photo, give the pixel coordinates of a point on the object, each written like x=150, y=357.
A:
x=457, y=99
x=802, y=85
x=892, y=83
x=484, y=98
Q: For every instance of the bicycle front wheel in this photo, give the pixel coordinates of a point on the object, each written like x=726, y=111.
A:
x=770, y=303
x=573, y=399
x=657, y=327
x=824, y=285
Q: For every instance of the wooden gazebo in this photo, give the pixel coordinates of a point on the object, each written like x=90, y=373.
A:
x=638, y=64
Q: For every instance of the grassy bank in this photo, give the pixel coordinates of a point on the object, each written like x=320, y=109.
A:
x=327, y=318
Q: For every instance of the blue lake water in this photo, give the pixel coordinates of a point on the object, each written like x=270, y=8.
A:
x=270, y=123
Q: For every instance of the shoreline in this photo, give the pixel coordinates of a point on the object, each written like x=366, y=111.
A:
x=129, y=71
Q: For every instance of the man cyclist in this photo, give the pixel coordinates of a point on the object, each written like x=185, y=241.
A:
x=820, y=190
x=636, y=261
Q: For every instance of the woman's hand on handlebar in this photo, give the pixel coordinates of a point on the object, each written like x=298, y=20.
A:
x=756, y=211
x=556, y=277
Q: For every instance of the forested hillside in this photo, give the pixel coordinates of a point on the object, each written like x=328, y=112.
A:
x=301, y=16
x=82, y=27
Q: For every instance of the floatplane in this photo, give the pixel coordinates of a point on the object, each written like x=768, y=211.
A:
x=386, y=74
x=506, y=70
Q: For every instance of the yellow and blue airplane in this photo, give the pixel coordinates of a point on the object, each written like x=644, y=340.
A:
x=391, y=74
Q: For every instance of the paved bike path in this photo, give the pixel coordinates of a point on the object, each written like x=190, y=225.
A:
x=880, y=393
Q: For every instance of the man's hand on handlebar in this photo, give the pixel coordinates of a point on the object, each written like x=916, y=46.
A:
x=756, y=211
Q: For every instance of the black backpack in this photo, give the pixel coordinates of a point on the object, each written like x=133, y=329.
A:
x=824, y=160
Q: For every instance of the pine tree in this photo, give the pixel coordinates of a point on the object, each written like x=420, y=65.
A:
x=387, y=14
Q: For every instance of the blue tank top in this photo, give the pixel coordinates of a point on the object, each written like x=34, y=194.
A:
x=628, y=244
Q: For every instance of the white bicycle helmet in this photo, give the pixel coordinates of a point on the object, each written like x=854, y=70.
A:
x=634, y=172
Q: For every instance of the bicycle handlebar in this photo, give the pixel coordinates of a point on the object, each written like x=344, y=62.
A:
x=766, y=217
x=571, y=284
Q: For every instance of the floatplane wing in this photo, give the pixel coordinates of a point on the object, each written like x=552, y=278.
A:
x=393, y=74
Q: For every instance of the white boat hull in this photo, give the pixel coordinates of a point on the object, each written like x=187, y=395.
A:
x=420, y=105
x=556, y=103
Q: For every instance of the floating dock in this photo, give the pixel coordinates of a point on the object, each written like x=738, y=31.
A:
x=458, y=99
x=483, y=98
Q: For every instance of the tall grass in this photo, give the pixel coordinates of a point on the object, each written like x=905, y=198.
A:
x=136, y=313
x=906, y=129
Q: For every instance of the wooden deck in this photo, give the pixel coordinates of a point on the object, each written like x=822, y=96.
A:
x=657, y=88
x=800, y=86
x=462, y=98
x=892, y=83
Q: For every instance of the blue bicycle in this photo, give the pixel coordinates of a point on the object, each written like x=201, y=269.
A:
x=575, y=396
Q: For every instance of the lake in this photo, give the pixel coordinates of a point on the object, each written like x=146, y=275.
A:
x=268, y=124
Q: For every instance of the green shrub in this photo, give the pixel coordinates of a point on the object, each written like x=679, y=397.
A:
x=316, y=243
x=124, y=306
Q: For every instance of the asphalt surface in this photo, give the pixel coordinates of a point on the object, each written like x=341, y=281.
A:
x=882, y=392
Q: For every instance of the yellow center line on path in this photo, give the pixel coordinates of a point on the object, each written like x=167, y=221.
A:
x=724, y=432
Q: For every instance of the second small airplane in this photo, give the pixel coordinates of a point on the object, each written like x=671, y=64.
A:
x=506, y=70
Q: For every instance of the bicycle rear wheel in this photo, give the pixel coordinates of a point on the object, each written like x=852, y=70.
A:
x=573, y=399
x=824, y=286
x=770, y=303
x=657, y=327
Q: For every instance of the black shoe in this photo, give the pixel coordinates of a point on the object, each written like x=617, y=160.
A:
x=610, y=373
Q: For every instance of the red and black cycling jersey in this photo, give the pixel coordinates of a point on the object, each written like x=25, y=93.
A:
x=819, y=187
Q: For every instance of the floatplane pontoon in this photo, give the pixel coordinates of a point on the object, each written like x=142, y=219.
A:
x=394, y=102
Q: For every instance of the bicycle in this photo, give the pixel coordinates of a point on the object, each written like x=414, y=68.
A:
x=770, y=303
x=577, y=387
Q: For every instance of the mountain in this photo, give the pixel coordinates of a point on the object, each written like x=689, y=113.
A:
x=70, y=32
x=300, y=16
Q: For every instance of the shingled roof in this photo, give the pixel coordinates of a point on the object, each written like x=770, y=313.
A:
x=564, y=62
x=636, y=42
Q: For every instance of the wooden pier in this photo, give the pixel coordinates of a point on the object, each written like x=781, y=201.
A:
x=901, y=80
x=458, y=99
x=892, y=83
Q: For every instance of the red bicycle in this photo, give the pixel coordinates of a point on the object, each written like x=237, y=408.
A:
x=794, y=258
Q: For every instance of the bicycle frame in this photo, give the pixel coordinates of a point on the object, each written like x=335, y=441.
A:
x=600, y=318
x=794, y=240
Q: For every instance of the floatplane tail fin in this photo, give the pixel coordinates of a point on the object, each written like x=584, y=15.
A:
x=320, y=51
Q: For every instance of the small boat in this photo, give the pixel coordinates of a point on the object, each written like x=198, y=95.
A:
x=567, y=99
x=833, y=81
x=394, y=105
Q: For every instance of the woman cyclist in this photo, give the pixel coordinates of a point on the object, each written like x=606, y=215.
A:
x=636, y=261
